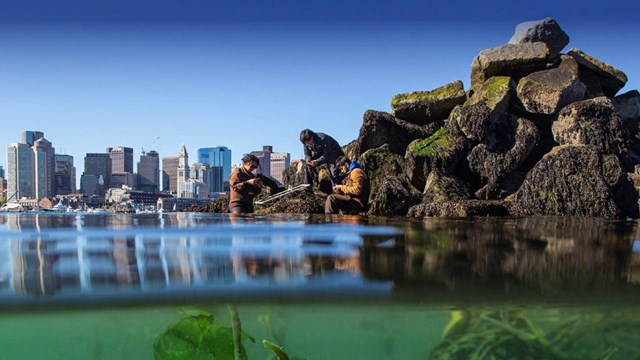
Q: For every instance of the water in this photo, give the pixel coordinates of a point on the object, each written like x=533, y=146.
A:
x=114, y=286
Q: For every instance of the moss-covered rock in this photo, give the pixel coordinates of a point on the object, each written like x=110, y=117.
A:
x=548, y=91
x=496, y=92
x=513, y=60
x=424, y=107
x=441, y=187
x=473, y=120
x=304, y=202
x=379, y=128
x=592, y=122
x=393, y=197
x=464, y=208
x=379, y=164
x=574, y=180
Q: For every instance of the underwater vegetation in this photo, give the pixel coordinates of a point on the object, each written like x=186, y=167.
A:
x=490, y=334
x=197, y=336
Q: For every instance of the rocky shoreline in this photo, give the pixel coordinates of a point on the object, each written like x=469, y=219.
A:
x=539, y=132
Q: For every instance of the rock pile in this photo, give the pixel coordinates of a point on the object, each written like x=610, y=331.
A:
x=537, y=132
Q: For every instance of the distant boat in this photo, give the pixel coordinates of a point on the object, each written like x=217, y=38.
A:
x=59, y=208
x=12, y=207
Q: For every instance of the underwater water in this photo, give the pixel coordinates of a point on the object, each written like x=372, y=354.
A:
x=181, y=285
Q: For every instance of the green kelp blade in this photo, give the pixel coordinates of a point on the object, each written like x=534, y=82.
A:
x=277, y=350
x=219, y=341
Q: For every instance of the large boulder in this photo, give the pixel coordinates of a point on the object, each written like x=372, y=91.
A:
x=424, y=107
x=379, y=164
x=472, y=120
x=510, y=142
x=379, y=128
x=597, y=75
x=575, y=180
x=496, y=92
x=441, y=187
x=592, y=122
x=455, y=209
x=514, y=60
x=548, y=91
x=393, y=197
x=547, y=31
x=351, y=149
x=627, y=105
x=441, y=151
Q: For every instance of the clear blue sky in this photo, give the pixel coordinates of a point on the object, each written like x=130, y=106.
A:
x=243, y=74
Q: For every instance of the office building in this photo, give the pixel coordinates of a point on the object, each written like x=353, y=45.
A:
x=183, y=172
x=20, y=174
x=219, y=160
x=149, y=172
x=170, y=174
x=65, y=178
x=119, y=180
x=3, y=189
x=44, y=160
x=97, y=173
x=202, y=172
x=1, y=172
x=121, y=159
x=30, y=137
x=264, y=157
x=279, y=163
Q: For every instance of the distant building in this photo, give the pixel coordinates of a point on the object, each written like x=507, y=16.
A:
x=44, y=160
x=178, y=204
x=97, y=169
x=30, y=137
x=279, y=163
x=1, y=172
x=3, y=189
x=65, y=178
x=120, y=179
x=264, y=157
x=219, y=160
x=121, y=159
x=149, y=172
x=183, y=172
x=170, y=174
x=20, y=178
x=202, y=172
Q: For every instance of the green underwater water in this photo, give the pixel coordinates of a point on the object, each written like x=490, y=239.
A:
x=336, y=331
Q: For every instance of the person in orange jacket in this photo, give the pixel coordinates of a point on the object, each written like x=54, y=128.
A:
x=352, y=197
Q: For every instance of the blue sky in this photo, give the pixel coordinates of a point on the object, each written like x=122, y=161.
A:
x=244, y=74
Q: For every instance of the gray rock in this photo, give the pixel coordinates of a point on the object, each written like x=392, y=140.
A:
x=510, y=142
x=496, y=92
x=424, y=107
x=591, y=122
x=441, y=188
x=547, y=31
x=627, y=105
x=575, y=180
x=472, y=120
x=598, y=74
x=548, y=91
x=513, y=60
x=351, y=149
x=379, y=128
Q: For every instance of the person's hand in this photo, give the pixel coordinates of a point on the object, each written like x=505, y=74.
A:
x=337, y=189
x=255, y=181
x=313, y=163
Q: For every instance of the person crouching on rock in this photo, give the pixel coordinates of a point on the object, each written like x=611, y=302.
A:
x=353, y=196
x=320, y=149
x=244, y=186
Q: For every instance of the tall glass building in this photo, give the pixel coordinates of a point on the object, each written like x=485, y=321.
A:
x=219, y=159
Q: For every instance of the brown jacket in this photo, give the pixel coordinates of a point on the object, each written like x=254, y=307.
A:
x=357, y=186
x=241, y=193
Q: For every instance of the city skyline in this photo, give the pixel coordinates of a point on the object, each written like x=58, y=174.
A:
x=245, y=75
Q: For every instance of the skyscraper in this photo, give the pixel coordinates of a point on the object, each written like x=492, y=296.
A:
x=121, y=159
x=45, y=168
x=183, y=171
x=149, y=172
x=30, y=137
x=20, y=182
x=97, y=173
x=202, y=172
x=1, y=172
x=279, y=163
x=65, y=178
x=219, y=159
x=264, y=157
x=170, y=174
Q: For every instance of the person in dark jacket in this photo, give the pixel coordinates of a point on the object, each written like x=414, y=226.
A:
x=353, y=196
x=245, y=185
x=321, y=149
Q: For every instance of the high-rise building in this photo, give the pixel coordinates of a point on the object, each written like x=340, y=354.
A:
x=1, y=172
x=120, y=179
x=202, y=172
x=3, y=188
x=170, y=174
x=97, y=173
x=30, y=137
x=121, y=159
x=279, y=163
x=45, y=168
x=264, y=157
x=65, y=178
x=219, y=159
x=20, y=181
x=149, y=172
x=183, y=171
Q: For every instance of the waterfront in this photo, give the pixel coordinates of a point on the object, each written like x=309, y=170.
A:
x=109, y=285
